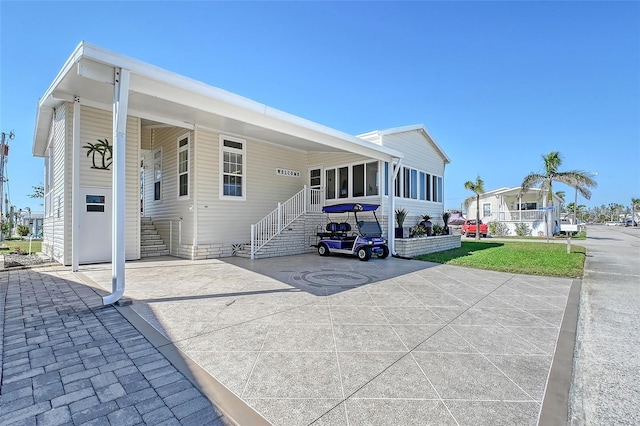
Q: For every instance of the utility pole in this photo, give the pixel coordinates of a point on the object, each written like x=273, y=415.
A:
x=4, y=151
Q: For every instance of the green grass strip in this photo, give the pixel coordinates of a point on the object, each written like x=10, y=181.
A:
x=535, y=258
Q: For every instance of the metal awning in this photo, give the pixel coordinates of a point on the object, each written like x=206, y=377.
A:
x=162, y=96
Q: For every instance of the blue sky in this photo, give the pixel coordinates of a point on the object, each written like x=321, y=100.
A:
x=497, y=84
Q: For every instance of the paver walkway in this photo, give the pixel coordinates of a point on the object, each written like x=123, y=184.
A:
x=68, y=360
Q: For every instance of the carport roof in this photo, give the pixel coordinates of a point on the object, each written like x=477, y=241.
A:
x=162, y=96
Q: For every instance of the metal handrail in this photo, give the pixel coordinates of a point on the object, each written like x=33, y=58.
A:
x=308, y=200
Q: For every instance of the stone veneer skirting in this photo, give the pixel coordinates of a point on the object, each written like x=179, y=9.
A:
x=298, y=238
x=412, y=247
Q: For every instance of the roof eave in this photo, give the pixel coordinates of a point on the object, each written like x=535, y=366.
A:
x=322, y=134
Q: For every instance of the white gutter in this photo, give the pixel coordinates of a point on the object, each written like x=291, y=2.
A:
x=76, y=203
x=120, y=104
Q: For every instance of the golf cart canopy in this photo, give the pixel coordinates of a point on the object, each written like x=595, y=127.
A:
x=350, y=207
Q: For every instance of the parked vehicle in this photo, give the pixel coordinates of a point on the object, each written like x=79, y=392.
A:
x=338, y=237
x=469, y=228
x=630, y=222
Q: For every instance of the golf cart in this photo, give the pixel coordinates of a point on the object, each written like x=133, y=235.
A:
x=338, y=238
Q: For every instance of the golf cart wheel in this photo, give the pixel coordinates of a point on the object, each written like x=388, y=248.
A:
x=385, y=252
x=364, y=253
x=484, y=235
x=323, y=250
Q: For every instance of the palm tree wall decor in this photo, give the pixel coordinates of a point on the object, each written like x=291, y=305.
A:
x=578, y=179
x=104, y=150
x=478, y=188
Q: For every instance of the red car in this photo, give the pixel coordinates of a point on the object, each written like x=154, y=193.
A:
x=469, y=228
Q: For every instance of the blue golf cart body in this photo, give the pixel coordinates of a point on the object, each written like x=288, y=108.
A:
x=338, y=237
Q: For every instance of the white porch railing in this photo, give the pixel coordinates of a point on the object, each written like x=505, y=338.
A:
x=308, y=200
x=523, y=216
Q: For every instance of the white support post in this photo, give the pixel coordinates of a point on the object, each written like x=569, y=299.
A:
x=253, y=239
x=279, y=217
x=120, y=107
x=391, y=178
x=304, y=197
x=76, y=202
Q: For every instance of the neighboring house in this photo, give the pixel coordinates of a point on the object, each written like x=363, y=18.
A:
x=508, y=206
x=213, y=173
x=34, y=220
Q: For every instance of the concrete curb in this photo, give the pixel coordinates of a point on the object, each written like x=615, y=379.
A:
x=555, y=406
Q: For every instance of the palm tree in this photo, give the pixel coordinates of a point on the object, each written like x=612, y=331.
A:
x=104, y=149
x=478, y=188
x=107, y=151
x=578, y=179
x=614, y=208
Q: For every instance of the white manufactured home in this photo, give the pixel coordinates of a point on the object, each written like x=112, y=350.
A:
x=140, y=161
x=508, y=205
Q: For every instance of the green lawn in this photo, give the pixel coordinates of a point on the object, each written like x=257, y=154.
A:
x=535, y=258
x=9, y=246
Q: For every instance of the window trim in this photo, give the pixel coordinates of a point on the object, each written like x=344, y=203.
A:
x=221, y=174
x=155, y=161
x=179, y=150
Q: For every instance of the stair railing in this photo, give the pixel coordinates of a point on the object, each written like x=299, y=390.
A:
x=308, y=200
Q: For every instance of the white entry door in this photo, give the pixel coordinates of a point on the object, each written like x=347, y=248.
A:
x=315, y=182
x=95, y=225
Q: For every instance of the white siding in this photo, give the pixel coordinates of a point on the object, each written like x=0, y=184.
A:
x=229, y=221
x=419, y=153
x=54, y=225
x=98, y=124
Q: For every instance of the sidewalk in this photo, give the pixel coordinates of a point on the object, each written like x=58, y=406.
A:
x=68, y=360
x=605, y=389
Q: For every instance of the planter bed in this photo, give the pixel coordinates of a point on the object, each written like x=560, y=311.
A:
x=412, y=247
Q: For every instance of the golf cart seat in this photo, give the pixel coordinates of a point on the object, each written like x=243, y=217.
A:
x=335, y=230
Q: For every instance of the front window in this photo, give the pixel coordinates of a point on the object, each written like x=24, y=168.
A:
x=233, y=157
x=357, y=180
x=371, y=178
x=486, y=209
x=331, y=184
x=343, y=179
x=183, y=166
x=527, y=206
x=157, y=175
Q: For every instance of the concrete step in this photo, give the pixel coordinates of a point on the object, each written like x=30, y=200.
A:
x=147, y=236
x=153, y=243
x=153, y=249
x=155, y=253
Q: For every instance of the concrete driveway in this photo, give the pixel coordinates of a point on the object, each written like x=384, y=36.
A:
x=335, y=341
